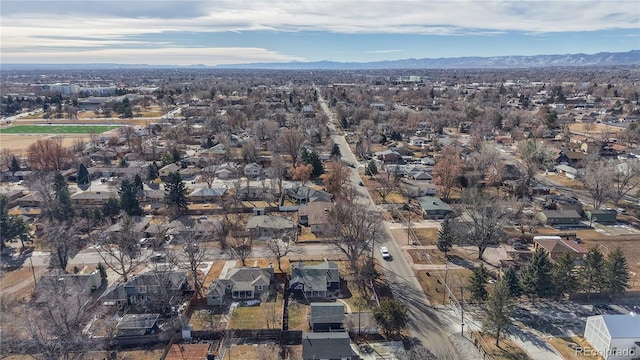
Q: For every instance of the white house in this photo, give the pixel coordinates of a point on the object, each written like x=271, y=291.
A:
x=252, y=170
x=614, y=337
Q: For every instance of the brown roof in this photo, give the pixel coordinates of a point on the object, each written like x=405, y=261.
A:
x=317, y=212
x=561, y=246
x=187, y=352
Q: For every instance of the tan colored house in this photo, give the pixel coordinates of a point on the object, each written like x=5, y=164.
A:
x=168, y=169
x=556, y=247
x=315, y=215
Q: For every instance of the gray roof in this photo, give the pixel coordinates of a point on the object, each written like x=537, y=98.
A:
x=208, y=192
x=328, y=345
x=622, y=326
x=332, y=312
x=137, y=321
x=305, y=192
x=430, y=203
x=315, y=277
x=270, y=222
x=246, y=278
x=561, y=214
x=174, y=279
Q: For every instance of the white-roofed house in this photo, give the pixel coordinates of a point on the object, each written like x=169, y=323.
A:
x=614, y=337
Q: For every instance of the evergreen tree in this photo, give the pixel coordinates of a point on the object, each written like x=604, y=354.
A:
x=110, y=209
x=510, y=277
x=563, y=275
x=175, y=195
x=592, y=274
x=62, y=209
x=498, y=310
x=371, y=170
x=617, y=273
x=391, y=316
x=137, y=182
x=478, y=282
x=152, y=173
x=446, y=236
x=175, y=153
x=14, y=165
x=536, y=277
x=335, y=151
x=83, y=175
x=128, y=198
x=312, y=158
x=11, y=226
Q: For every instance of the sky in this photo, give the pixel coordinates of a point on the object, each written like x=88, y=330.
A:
x=177, y=32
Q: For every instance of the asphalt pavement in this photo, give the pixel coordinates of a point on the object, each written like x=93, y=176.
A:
x=424, y=325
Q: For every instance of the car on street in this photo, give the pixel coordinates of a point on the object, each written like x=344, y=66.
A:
x=361, y=183
x=158, y=257
x=385, y=253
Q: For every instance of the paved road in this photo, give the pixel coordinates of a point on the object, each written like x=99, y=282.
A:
x=424, y=324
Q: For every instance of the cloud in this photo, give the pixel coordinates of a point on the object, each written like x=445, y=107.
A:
x=44, y=26
x=172, y=55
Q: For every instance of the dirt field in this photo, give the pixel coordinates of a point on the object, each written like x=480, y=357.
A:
x=20, y=142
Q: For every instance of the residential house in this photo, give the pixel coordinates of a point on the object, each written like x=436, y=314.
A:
x=377, y=106
x=85, y=283
x=13, y=196
x=416, y=189
x=389, y=156
x=567, y=171
x=315, y=215
x=555, y=246
x=604, y=217
x=138, y=324
x=168, y=169
x=92, y=198
x=572, y=158
x=419, y=175
x=16, y=175
x=433, y=207
x=241, y=283
x=591, y=148
x=302, y=195
x=252, y=170
x=614, y=337
x=205, y=195
x=156, y=290
x=418, y=141
x=33, y=199
x=327, y=316
x=327, y=346
x=560, y=217
x=320, y=281
x=227, y=170
x=269, y=226
x=252, y=192
x=307, y=111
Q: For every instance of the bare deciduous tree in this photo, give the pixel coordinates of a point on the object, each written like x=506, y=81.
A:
x=279, y=248
x=626, y=178
x=64, y=242
x=355, y=230
x=291, y=142
x=48, y=154
x=487, y=214
x=120, y=249
x=56, y=325
x=241, y=248
x=447, y=171
x=598, y=181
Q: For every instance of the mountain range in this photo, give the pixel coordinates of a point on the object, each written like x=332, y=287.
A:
x=499, y=62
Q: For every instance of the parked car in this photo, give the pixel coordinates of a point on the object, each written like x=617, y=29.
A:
x=158, y=257
x=385, y=253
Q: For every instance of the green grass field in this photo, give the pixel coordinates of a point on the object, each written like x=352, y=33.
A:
x=56, y=129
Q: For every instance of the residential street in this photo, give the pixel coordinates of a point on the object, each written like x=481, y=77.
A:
x=424, y=324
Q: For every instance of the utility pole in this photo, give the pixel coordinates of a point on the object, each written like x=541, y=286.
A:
x=462, y=310
x=409, y=229
x=33, y=272
x=444, y=293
